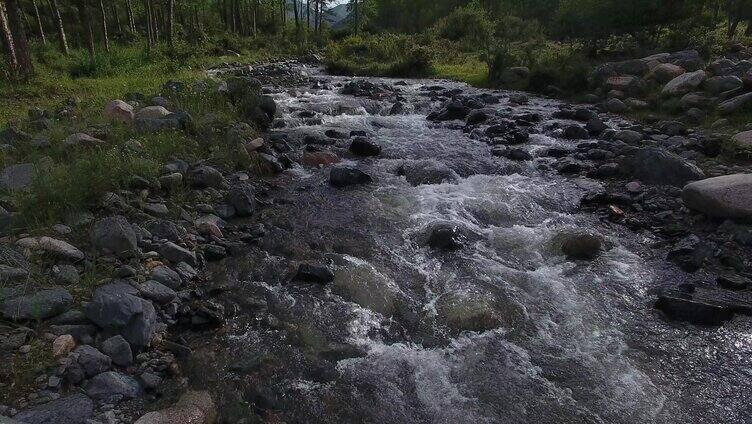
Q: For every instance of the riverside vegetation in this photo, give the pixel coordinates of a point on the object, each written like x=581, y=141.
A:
x=161, y=165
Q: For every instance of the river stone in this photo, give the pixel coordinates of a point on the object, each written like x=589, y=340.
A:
x=205, y=176
x=108, y=384
x=580, y=245
x=343, y=176
x=363, y=147
x=54, y=247
x=166, y=276
x=576, y=132
x=117, y=309
x=194, y=407
x=652, y=165
x=721, y=84
x=118, y=111
x=665, y=72
x=152, y=112
x=446, y=236
x=629, y=136
x=616, y=106
x=427, y=172
x=37, y=306
x=114, y=235
x=729, y=196
x=73, y=409
x=17, y=177
x=176, y=254
x=92, y=361
x=117, y=348
x=165, y=229
x=692, y=311
x=82, y=140
x=314, y=274
x=157, y=292
x=684, y=83
x=735, y=104
x=743, y=140
x=461, y=311
x=243, y=199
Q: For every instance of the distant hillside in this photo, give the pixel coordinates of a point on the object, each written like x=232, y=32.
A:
x=337, y=15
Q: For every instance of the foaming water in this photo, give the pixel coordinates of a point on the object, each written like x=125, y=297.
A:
x=503, y=330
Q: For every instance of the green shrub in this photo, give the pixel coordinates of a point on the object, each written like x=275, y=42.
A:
x=467, y=24
x=382, y=55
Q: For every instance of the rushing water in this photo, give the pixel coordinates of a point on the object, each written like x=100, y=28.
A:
x=505, y=330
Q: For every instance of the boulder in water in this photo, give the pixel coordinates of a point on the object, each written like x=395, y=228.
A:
x=427, y=172
x=314, y=274
x=693, y=311
x=363, y=147
x=344, y=176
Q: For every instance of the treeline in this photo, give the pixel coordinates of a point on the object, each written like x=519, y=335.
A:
x=95, y=24
x=562, y=19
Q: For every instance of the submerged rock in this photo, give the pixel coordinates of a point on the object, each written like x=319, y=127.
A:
x=427, y=172
x=344, y=176
x=314, y=274
x=692, y=311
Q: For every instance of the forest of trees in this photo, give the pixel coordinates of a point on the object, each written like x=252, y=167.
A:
x=96, y=24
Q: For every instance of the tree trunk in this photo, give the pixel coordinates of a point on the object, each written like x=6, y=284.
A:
x=39, y=22
x=297, y=18
x=357, y=17
x=116, y=15
x=59, y=26
x=149, y=28
x=20, y=43
x=83, y=12
x=105, y=36
x=255, y=12
x=10, y=50
x=171, y=22
x=131, y=18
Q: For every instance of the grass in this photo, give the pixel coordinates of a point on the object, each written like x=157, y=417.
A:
x=471, y=71
x=70, y=180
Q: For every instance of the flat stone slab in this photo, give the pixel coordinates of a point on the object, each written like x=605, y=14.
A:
x=729, y=196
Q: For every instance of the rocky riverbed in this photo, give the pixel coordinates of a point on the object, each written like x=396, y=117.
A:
x=419, y=251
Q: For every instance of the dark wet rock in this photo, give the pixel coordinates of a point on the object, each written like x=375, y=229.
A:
x=735, y=104
x=41, y=305
x=728, y=196
x=243, y=199
x=118, y=349
x=427, y=172
x=166, y=276
x=629, y=136
x=569, y=166
x=581, y=245
x=114, y=235
x=446, y=236
x=109, y=384
x=213, y=252
x=176, y=254
x=205, y=176
x=693, y=311
x=653, y=165
x=576, y=132
x=117, y=309
x=476, y=117
x=512, y=154
x=157, y=292
x=92, y=361
x=344, y=176
x=452, y=111
x=364, y=147
x=314, y=274
x=164, y=229
x=338, y=135
x=397, y=109
x=186, y=271
x=73, y=409
x=721, y=84
x=595, y=126
x=690, y=253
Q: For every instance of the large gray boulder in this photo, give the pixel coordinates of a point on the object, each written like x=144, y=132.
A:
x=665, y=72
x=729, y=196
x=37, y=306
x=17, y=177
x=117, y=309
x=653, y=165
x=721, y=84
x=192, y=408
x=684, y=83
x=735, y=104
x=73, y=409
x=114, y=235
x=92, y=361
x=743, y=140
x=108, y=384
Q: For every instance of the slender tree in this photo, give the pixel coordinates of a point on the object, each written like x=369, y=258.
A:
x=105, y=35
x=170, y=22
x=20, y=43
x=58, y=20
x=83, y=13
x=116, y=15
x=10, y=50
x=149, y=26
x=38, y=17
x=131, y=18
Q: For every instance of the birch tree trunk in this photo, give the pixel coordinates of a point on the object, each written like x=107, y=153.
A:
x=20, y=43
x=105, y=35
x=39, y=22
x=10, y=49
x=58, y=19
